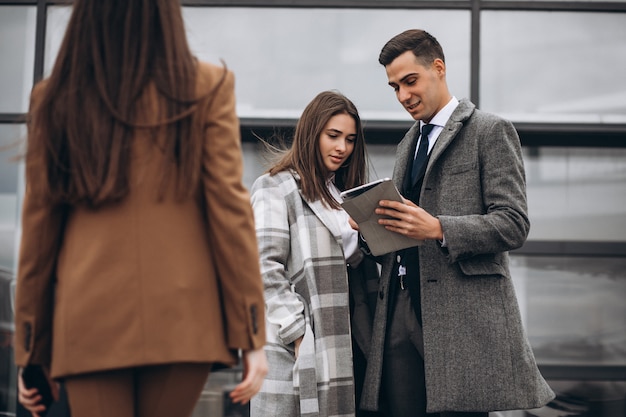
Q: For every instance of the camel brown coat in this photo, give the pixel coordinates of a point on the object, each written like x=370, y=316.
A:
x=145, y=281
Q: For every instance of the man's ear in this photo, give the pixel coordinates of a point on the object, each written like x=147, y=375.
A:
x=439, y=66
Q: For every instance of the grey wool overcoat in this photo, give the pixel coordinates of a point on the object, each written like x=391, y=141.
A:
x=306, y=294
x=476, y=353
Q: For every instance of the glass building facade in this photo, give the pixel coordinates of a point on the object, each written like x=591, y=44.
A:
x=556, y=69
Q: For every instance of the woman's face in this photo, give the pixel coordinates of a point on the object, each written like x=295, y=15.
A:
x=337, y=141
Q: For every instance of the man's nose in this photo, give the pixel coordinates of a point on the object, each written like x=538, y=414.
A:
x=403, y=95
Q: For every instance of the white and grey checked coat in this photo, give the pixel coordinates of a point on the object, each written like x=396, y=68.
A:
x=306, y=294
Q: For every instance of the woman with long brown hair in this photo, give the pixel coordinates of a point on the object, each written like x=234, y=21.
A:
x=138, y=267
x=309, y=254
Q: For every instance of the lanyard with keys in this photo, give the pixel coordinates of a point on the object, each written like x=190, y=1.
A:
x=401, y=274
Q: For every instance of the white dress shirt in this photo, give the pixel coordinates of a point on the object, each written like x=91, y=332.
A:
x=349, y=236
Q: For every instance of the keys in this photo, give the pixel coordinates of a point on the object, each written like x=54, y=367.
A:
x=401, y=274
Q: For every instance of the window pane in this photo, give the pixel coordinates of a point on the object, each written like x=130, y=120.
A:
x=10, y=168
x=58, y=17
x=575, y=315
x=582, y=398
x=8, y=372
x=254, y=163
x=577, y=194
x=283, y=57
x=17, y=49
x=574, y=194
x=554, y=67
x=574, y=308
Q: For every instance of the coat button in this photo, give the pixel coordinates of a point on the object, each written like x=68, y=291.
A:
x=381, y=294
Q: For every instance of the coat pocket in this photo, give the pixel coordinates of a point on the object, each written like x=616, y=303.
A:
x=484, y=265
x=304, y=369
x=461, y=168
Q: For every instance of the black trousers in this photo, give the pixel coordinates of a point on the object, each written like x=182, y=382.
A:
x=403, y=365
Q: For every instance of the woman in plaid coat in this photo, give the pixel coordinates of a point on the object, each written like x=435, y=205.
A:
x=306, y=247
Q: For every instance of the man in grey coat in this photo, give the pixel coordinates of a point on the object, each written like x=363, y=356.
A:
x=447, y=335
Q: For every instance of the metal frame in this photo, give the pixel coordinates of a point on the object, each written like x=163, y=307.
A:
x=531, y=134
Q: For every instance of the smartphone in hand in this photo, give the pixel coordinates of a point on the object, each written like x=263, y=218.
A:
x=35, y=377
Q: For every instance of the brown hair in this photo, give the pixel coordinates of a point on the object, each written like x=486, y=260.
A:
x=83, y=122
x=423, y=45
x=304, y=155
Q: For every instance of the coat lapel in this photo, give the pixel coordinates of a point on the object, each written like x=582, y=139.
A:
x=321, y=212
x=463, y=111
x=326, y=217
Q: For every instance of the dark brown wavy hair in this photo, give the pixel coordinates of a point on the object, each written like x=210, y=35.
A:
x=304, y=155
x=83, y=121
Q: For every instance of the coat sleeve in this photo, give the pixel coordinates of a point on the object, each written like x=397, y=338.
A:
x=284, y=307
x=41, y=239
x=501, y=224
x=231, y=222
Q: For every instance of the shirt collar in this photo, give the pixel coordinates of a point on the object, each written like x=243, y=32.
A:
x=441, y=118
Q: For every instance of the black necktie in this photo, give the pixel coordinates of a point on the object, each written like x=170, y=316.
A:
x=419, y=163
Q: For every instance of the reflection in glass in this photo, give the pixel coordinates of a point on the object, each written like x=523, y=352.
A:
x=9, y=173
x=577, y=194
x=58, y=17
x=17, y=49
x=586, y=398
x=574, y=308
x=575, y=315
x=10, y=136
x=254, y=162
x=8, y=374
x=283, y=57
x=574, y=194
x=554, y=67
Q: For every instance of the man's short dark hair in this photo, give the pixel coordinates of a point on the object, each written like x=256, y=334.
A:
x=423, y=45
